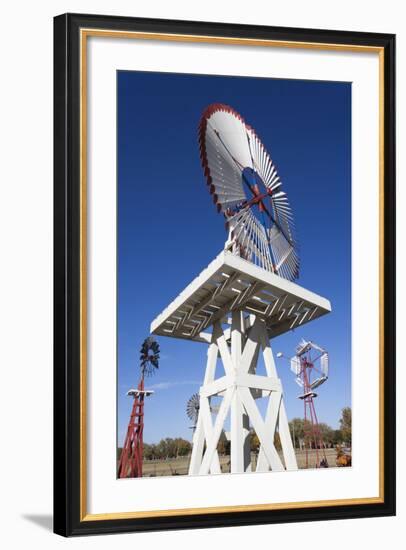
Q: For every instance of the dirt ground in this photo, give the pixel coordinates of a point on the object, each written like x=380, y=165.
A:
x=180, y=466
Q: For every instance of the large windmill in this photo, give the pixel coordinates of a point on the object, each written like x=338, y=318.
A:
x=130, y=464
x=246, y=188
x=245, y=297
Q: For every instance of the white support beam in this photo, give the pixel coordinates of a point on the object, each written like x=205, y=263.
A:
x=286, y=440
x=253, y=381
x=251, y=347
x=197, y=449
x=208, y=432
x=259, y=426
x=212, y=443
x=236, y=336
x=271, y=419
x=225, y=354
x=269, y=361
x=237, y=435
x=216, y=387
x=240, y=386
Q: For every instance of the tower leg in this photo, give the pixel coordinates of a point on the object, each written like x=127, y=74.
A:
x=283, y=424
x=197, y=448
x=239, y=421
x=204, y=422
x=240, y=437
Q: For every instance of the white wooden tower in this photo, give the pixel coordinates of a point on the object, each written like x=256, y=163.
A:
x=237, y=308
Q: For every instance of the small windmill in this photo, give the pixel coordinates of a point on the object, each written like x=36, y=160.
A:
x=192, y=409
x=310, y=366
x=130, y=464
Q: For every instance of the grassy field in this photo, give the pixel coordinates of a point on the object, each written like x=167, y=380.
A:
x=179, y=466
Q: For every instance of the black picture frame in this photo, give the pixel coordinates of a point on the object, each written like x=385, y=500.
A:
x=68, y=519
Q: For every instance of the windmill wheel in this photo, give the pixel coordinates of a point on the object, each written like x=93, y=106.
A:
x=149, y=356
x=192, y=408
x=246, y=188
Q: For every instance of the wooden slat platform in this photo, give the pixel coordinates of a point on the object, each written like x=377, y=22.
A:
x=230, y=283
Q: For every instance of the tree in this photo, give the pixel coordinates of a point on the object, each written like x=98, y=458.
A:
x=224, y=445
x=167, y=448
x=254, y=442
x=337, y=437
x=299, y=430
x=327, y=434
x=296, y=427
x=345, y=424
x=184, y=447
x=277, y=441
x=146, y=452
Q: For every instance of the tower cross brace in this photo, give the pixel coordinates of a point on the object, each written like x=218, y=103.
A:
x=240, y=387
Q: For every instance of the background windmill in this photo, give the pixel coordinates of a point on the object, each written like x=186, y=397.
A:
x=310, y=366
x=192, y=409
x=149, y=358
x=130, y=464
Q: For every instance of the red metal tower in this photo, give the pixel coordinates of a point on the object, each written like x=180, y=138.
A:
x=310, y=364
x=130, y=464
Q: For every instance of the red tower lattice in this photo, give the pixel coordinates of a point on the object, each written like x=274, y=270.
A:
x=130, y=464
x=310, y=375
x=312, y=434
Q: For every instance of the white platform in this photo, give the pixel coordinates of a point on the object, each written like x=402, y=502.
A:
x=230, y=283
x=137, y=392
x=244, y=306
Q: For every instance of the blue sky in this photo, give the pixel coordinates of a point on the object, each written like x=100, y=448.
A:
x=169, y=230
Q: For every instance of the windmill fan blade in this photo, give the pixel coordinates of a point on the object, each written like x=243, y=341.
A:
x=246, y=188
